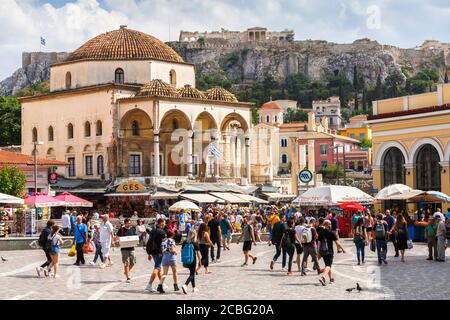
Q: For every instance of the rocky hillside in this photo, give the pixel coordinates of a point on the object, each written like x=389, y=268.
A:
x=247, y=63
x=316, y=59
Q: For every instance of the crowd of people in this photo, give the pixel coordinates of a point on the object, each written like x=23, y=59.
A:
x=303, y=237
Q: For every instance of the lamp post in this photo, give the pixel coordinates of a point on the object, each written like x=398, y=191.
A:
x=36, y=143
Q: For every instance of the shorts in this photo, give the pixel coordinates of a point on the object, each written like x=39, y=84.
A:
x=169, y=260
x=298, y=248
x=247, y=246
x=226, y=236
x=328, y=260
x=157, y=258
x=105, y=248
x=128, y=257
x=55, y=250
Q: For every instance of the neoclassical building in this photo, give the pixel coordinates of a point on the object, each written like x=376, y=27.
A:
x=411, y=140
x=124, y=104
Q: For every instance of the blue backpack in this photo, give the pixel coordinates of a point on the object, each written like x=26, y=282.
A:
x=187, y=254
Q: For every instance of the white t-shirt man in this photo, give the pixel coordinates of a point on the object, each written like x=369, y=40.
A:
x=65, y=220
x=299, y=230
x=96, y=215
x=106, y=229
x=238, y=219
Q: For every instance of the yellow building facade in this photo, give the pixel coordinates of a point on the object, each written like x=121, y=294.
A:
x=411, y=140
x=359, y=129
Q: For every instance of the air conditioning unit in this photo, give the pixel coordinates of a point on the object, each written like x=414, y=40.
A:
x=180, y=184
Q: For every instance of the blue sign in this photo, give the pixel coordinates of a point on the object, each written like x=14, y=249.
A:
x=305, y=176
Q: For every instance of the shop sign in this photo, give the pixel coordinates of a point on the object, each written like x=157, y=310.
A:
x=52, y=177
x=131, y=186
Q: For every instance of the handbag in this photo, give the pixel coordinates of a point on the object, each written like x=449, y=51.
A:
x=372, y=245
x=72, y=252
x=409, y=243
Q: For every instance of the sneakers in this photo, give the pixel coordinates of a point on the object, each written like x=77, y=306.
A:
x=385, y=262
x=92, y=263
x=359, y=263
x=102, y=266
x=254, y=259
x=175, y=287
x=271, y=265
x=283, y=269
x=430, y=258
x=323, y=281
x=194, y=290
x=149, y=288
x=38, y=271
x=46, y=272
x=290, y=273
x=128, y=280
x=160, y=289
x=184, y=288
x=303, y=273
x=213, y=261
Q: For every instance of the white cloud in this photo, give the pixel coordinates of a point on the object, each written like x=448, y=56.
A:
x=68, y=25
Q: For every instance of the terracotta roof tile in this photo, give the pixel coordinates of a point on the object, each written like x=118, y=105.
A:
x=271, y=105
x=220, y=94
x=12, y=158
x=158, y=87
x=189, y=92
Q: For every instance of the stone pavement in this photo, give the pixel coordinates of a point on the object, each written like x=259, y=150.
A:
x=415, y=279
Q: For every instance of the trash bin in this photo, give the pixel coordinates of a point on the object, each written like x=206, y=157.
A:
x=419, y=233
x=411, y=232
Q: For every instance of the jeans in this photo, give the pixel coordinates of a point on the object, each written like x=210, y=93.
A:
x=307, y=251
x=80, y=253
x=381, y=250
x=290, y=252
x=98, y=253
x=277, y=255
x=49, y=260
x=360, y=246
x=214, y=242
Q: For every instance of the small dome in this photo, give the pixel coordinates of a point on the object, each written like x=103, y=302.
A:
x=190, y=92
x=220, y=94
x=158, y=87
x=271, y=105
x=124, y=44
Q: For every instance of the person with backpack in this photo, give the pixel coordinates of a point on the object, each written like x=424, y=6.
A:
x=227, y=231
x=215, y=234
x=381, y=236
x=298, y=244
x=55, y=241
x=288, y=243
x=190, y=254
x=326, y=238
x=390, y=220
x=45, y=244
x=308, y=240
x=154, y=251
x=248, y=236
x=401, y=234
x=128, y=254
x=430, y=233
x=169, y=260
x=278, y=230
x=360, y=239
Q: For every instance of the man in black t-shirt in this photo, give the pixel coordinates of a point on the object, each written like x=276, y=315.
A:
x=128, y=256
x=279, y=229
x=215, y=236
x=326, y=239
x=154, y=251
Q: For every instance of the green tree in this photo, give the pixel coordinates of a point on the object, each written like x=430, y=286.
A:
x=10, y=120
x=331, y=172
x=12, y=181
x=365, y=143
x=393, y=82
x=35, y=89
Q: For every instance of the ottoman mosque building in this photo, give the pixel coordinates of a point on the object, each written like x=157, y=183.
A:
x=124, y=104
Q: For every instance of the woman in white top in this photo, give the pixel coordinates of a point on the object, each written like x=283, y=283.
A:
x=56, y=241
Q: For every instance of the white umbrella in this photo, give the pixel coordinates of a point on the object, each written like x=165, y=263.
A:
x=184, y=205
x=7, y=199
x=392, y=190
x=332, y=195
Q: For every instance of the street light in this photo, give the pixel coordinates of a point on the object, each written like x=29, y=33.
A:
x=36, y=143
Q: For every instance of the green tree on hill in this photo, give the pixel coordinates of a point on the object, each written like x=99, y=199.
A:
x=10, y=120
x=13, y=181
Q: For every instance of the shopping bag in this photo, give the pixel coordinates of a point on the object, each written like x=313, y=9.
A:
x=72, y=252
x=372, y=245
x=409, y=243
x=86, y=248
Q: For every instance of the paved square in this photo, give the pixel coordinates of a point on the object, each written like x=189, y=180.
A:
x=415, y=279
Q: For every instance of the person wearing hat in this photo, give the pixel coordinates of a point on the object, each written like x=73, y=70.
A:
x=430, y=233
x=441, y=234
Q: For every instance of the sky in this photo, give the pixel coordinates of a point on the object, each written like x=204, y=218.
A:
x=66, y=25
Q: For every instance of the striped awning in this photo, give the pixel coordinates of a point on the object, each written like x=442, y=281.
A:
x=229, y=197
x=252, y=198
x=201, y=198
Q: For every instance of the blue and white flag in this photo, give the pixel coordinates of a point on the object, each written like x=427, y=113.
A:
x=42, y=41
x=214, y=150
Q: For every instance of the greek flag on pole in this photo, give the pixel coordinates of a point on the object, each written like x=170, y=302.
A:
x=214, y=150
x=42, y=41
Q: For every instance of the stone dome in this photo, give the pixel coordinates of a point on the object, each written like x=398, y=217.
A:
x=124, y=44
x=189, y=92
x=271, y=105
x=220, y=94
x=158, y=87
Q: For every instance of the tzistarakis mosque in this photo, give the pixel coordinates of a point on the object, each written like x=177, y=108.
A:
x=124, y=104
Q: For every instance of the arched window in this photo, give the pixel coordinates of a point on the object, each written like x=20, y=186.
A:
x=135, y=128
x=284, y=158
x=34, y=135
x=100, y=165
x=70, y=131
x=393, y=167
x=68, y=80
x=276, y=118
x=428, y=170
x=119, y=76
x=50, y=133
x=87, y=129
x=267, y=118
x=175, y=124
x=173, y=78
x=98, y=128
x=283, y=142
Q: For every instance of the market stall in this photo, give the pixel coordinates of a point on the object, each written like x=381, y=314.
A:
x=39, y=208
x=7, y=212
